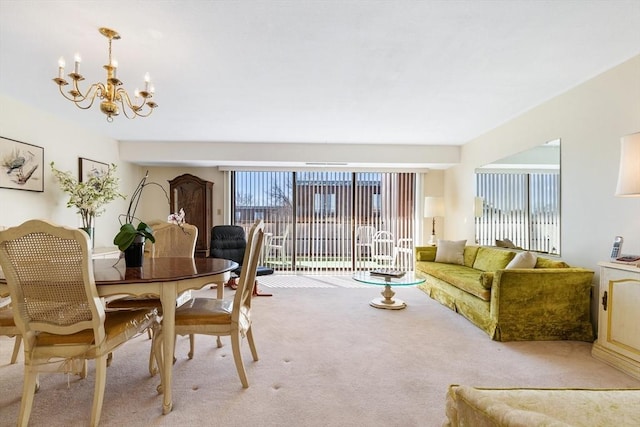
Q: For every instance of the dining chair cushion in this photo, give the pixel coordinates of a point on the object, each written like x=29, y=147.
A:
x=6, y=318
x=134, y=304
x=119, y=326
x=9, y=328
x=209, y=311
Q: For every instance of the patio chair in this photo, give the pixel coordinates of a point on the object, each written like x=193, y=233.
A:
x=211, y=316
x=59, y=312
x=384, y=248
x=364, y=240
x=275, y=248
x=404, y=254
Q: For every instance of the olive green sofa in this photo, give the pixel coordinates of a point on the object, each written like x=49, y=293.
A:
x=517, y=407
x=550, y=301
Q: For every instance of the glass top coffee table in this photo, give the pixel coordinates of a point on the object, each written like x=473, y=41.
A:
x=387, y=300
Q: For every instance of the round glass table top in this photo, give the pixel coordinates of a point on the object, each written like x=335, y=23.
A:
x=408, y=279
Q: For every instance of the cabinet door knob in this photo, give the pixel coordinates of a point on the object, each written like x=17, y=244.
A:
x=604, y=300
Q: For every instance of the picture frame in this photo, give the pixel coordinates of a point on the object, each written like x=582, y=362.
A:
x=21, y=165
x=88, y=167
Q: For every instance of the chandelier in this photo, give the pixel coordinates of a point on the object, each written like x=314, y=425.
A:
x=113, y=97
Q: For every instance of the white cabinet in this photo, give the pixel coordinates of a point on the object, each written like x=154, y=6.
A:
x=618, y=342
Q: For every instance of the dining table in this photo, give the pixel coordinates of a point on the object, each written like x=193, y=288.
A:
x=164, y=278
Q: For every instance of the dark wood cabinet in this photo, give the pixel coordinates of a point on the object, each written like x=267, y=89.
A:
x=195, y=196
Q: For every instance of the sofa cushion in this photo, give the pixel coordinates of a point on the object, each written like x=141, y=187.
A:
x=450, y=252
x=470, y=253
x=489, y=259
x=522, y=260
x=550, y=263
x=464, y=278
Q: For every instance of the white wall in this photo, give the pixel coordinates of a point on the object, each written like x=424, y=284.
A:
x=63, y=143
x=154, y=204
x=589, y=119
x=432, y=186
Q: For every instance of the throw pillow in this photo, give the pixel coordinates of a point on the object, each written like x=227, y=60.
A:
x=522, y=260
x=505, y=243
x=492, y=259
x=450, y=252
x=549, y=263
x=426, y=254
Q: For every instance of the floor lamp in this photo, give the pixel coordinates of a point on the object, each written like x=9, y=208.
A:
x=478, y=212
x=433, y=207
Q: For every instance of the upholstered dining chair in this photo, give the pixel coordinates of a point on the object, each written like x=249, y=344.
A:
x=60, y=316
x=8, y=326
x=225, y=317
x=172, y=240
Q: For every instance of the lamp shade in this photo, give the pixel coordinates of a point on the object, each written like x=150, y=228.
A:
x=629, y=172
x=478, y=207
x=433, y=207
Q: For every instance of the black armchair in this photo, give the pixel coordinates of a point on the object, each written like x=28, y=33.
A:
x=229, y=242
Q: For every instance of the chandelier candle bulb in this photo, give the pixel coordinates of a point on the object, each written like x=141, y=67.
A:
x=61, y=65
x=147, y=80
x=77, y=61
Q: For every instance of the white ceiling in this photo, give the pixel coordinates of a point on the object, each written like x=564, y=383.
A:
x=343, y=71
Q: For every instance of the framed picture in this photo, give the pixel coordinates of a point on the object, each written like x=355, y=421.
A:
x=88, y=168
x=21, y=165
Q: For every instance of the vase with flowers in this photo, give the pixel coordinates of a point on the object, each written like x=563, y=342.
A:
x=89, y=196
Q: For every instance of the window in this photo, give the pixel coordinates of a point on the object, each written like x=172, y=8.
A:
x=324, y=204
x=315, y=216
x=521, y=207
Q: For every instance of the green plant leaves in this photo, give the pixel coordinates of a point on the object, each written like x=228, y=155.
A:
x=128, y=234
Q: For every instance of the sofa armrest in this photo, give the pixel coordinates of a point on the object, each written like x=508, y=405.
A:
x=425, y=253
x=542, y=303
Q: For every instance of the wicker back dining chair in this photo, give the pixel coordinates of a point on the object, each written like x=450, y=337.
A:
x=58, y=310
x=8, y=326
x=222, y=317
x=171, y=240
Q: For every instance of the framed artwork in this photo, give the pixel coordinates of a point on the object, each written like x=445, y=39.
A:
x=88, y=168
x=21, y=165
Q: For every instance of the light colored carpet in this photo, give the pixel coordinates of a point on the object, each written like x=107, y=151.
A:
x=326, y=359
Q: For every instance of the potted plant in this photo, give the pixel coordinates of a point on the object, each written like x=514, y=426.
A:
x=91, y=195
x=131, y=238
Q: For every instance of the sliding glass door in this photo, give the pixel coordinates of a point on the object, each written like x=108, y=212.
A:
x=329, y=221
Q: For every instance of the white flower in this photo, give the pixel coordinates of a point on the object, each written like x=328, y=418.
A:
x=91, y=195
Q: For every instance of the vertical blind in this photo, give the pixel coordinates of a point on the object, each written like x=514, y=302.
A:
x=521, y=207
x=327, y=221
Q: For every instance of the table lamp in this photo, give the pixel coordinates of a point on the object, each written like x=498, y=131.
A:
x=433, y=207
x=629, y=171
